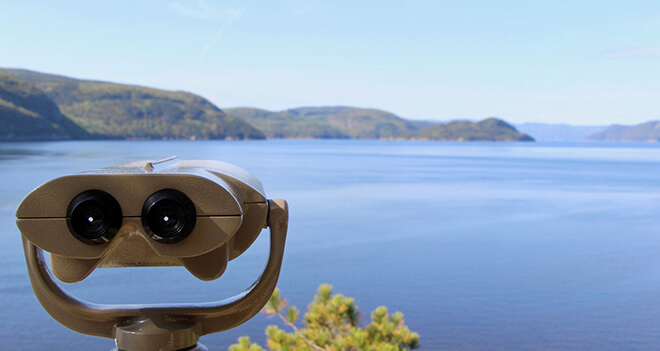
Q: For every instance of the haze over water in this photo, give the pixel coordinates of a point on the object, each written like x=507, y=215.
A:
x=483, y=246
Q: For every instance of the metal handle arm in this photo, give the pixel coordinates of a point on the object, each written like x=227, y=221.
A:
x=200, y=319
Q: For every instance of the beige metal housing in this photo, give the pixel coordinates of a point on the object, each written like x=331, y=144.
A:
x=231, y=209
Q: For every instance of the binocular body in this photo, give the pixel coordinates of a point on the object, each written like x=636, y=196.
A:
x=196, y=214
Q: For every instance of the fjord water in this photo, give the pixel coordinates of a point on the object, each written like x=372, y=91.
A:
x=483, y=246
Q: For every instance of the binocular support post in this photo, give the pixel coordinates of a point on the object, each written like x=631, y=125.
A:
x=164, y=327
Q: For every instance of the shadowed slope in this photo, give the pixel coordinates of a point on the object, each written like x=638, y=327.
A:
x=26, y=113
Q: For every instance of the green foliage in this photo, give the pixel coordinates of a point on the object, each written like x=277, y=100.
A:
x=26, y=113
x=244, y=344
x=332, y=323
x=134, y=112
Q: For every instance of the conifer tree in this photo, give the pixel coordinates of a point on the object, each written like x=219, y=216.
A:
x=332, y=323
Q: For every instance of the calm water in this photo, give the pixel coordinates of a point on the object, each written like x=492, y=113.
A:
x=481, y=246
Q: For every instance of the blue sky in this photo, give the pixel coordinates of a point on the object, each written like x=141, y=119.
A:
x=577, y=62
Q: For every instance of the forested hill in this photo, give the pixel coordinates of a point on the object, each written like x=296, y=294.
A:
x=356, y=123
x=337, y=122
x=133, y=112
x=490, y=129
x=40, y=106
x=649, y=131
x=26, y=113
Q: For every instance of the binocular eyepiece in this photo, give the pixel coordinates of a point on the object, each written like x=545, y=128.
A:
x=94, y=216
x=168, y=216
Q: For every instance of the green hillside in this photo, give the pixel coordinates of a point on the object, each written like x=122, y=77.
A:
x=278, y=125
x=328, y=122
x=649, y=131
x=43, y=106
x=491, y=129
x=356, y=123
x=134, y=112
x=26, y=113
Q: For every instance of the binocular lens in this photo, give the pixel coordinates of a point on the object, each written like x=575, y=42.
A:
x=94, y=217
x=168, y=216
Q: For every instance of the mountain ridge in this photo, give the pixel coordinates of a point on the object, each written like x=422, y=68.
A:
x=98, y=109
x=326, y=122
x=343, y=122
x=647, y=132
x=558, y=132
x=125, y=111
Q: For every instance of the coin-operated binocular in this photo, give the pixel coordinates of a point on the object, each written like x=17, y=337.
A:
x=196, y=214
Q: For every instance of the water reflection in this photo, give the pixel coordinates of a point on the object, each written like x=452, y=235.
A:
x=18, y=153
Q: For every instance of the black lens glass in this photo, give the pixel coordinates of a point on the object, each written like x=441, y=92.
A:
x=94, y=217
x=168, y=216
x=88, y=219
